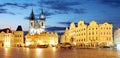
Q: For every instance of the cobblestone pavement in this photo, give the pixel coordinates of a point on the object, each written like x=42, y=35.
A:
x=58, y=53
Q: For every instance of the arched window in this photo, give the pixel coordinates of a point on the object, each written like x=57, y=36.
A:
x=42, y=23
x=31, y=24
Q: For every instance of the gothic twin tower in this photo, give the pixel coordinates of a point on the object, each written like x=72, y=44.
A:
x=36, y=26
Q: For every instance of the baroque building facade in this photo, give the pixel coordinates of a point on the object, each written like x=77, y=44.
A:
x=9, y=38
x=37, y=34
x=6, y=37
x=18, y=37
x=89, y=36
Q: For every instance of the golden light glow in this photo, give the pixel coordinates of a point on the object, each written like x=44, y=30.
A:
x=54, y=49
x=11, y=38
x=7, y=44
x=52, y=42
x=89, y=36
x=39, y=52
x=45, y=38
x=28, y=43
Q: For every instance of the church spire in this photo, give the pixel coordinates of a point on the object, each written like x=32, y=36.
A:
x=32, y=15
x=42, y=16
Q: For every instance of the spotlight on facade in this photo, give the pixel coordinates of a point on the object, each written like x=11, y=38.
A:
x=7, y=44
x=75, y=43
x=52, y=42
x=28, y=43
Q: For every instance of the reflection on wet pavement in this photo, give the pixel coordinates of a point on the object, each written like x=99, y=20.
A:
x=58, y=53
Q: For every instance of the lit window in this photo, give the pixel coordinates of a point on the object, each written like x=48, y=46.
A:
x=109, y=28
x=84, y=28
x=89, y=33
x=92, y=33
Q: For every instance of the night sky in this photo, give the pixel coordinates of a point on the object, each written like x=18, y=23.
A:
x=59, y=13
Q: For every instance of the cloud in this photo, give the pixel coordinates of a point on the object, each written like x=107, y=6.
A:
x=24, y=5
x=79, y=11
x=112, y=3
x=5, y=11
x=55, y=28
x=26, y=18
x=61, y=3
x=66, y=23
x=63, y=7
x=46, y=13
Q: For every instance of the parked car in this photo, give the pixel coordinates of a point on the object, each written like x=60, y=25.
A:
x=42, y=46
x=106, y=46
x=66, y=45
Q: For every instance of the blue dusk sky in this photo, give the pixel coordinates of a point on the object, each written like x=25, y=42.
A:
x=59, y=13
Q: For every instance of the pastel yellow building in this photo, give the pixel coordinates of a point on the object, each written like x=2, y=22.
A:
x=93, y=34
x=106, y=34
x=9, y=38
x=18, y=37
x=89, y=36
x=6, y=37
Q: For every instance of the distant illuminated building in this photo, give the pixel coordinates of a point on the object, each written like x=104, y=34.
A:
x=37, y=34
x=19, y=37
x=45, y=38
x=117, y=38
x=9, y=38
x=89, y=36
x=6, y=37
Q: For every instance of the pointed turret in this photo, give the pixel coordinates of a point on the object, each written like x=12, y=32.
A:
x=42, y=16
x=32, y=15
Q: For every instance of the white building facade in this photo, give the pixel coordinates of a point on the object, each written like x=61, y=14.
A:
x=36, y=26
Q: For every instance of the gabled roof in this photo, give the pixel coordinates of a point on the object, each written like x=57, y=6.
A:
x=19, y=28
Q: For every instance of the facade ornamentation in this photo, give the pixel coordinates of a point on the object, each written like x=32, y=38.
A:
x=89, y=36
x=9, y=38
